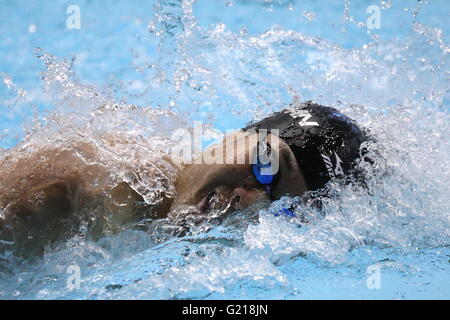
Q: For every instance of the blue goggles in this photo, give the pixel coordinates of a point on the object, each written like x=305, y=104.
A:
x=267, y=180
x=264, y=179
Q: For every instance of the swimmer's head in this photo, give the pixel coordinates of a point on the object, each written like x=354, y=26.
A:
x=315, y=144
x=325, y=142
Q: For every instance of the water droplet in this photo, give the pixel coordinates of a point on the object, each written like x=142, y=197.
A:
x=309, y=15
x=32, y=28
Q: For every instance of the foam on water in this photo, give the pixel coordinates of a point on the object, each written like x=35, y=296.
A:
x=396, y=87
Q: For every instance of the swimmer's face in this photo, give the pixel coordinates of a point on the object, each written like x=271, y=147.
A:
x=220, y=188
x=224, y=188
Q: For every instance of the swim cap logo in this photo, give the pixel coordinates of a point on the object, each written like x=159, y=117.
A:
x=305, y=116
x=337, y=171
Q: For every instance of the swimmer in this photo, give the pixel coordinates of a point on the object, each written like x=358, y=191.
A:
x=315, y=144
x=46, y=195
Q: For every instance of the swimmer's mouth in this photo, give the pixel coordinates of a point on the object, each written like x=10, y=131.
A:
x=188, y=217
x=215, y=212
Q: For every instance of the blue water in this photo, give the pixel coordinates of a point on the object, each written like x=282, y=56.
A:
x=226, y=62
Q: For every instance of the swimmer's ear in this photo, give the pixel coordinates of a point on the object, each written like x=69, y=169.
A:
x=290, y=179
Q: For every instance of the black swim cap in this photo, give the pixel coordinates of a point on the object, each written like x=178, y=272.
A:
x=325, y=142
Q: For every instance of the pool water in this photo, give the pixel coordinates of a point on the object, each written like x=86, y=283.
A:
x=227, y=62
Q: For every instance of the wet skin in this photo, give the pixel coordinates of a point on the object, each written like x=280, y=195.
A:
x=46, y=194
